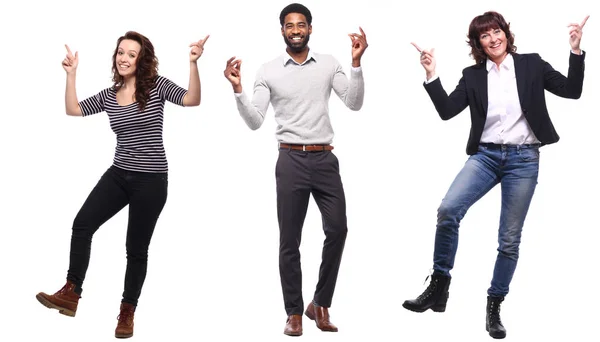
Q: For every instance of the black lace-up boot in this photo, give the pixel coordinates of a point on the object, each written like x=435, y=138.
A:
x=493, y=324
x=434, y=297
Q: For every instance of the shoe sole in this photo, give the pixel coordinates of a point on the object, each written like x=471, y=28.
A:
x=123, y=335
x=45, y=302
x=436, y=308
x=293, y=334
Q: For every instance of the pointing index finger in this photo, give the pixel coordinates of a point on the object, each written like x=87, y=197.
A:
x=416, y=46
x=584, y=21
x=362, y=32
x=68, y=50
x=202, y=41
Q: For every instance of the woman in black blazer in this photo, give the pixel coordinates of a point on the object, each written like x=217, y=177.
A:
x=509, y=122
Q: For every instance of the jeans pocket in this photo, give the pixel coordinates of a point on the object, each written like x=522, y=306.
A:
x=530, y=155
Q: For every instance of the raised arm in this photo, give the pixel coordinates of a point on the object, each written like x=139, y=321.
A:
x=70, y=65
x=352, y=92
x=571, y=86
x=447, y=106
x=252, y=111
x=193, y=96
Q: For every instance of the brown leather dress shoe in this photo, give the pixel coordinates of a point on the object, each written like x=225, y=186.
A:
x=125, y=325
x=64, y=300
x=320, y=315
x=293, y=326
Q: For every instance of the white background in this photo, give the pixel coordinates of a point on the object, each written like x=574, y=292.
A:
x=213, y=265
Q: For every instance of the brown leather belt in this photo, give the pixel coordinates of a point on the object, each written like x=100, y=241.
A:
x=309, y=148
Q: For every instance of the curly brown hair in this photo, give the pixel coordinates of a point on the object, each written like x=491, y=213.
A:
x=488, y=21
x=146, y=71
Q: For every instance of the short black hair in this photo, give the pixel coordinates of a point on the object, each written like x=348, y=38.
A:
x=295, y=8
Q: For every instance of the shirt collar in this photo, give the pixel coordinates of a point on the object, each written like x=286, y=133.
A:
x=287, y=58
x=508, y=63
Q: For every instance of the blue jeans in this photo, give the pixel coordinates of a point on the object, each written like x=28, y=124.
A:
x=515, y=167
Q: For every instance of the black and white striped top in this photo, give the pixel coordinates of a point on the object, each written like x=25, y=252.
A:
x=139, y=134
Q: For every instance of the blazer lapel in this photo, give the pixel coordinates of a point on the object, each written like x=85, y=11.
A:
x=521, y=75
x=482, y=87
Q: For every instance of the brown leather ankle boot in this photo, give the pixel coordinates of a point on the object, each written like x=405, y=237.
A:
x=64, y=300
x=125, y=326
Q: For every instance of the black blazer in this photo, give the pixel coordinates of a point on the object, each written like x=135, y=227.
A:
x=534, y=75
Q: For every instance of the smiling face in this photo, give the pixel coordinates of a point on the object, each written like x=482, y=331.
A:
x=296, y=32
x=494, y=44
x=127, y=57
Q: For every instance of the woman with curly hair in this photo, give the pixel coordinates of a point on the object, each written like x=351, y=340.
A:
x=138, y=175
x=505, y=92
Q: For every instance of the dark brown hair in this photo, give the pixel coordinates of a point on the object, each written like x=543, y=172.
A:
x=146, y=71
x=483, y=23
x=295, y=8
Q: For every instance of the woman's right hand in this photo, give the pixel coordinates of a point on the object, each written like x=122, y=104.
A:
x=427, y=60
x=71, y=61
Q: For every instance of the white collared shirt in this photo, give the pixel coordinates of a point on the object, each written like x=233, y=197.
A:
x=505, y=122
x=287, y=58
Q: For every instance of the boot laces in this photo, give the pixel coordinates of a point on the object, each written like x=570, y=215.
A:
x=495, y=311
x=429, y=290
x=64, y=290
x=125, y=317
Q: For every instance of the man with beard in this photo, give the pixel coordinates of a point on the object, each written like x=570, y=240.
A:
x=298, y=84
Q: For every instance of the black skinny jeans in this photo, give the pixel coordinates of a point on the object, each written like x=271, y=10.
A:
x=146, y=194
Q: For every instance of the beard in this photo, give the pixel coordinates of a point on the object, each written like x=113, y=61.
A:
x=296, y=47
